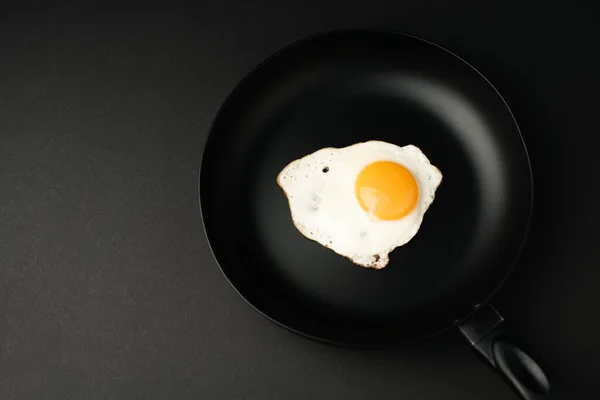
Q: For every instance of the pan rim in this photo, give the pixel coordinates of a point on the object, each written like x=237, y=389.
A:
x=343, y=343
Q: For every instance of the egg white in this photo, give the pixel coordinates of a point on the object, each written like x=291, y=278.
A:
x=324, y=207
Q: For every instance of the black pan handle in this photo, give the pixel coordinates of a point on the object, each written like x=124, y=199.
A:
x=491, y=338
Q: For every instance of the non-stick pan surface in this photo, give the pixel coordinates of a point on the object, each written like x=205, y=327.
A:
x=335, y=90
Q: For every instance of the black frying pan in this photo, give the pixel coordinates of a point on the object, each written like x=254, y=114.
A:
x=341, y=88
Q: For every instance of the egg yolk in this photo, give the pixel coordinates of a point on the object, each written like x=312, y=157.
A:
x=387, y=190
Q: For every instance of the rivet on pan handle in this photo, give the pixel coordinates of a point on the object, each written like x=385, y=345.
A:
x=490, y=337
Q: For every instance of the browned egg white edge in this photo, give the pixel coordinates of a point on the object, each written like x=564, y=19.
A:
x=373, y=266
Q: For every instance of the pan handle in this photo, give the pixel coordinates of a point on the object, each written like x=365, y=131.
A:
x=491, y=338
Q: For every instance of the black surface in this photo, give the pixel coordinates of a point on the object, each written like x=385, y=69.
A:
x=107, y=286
x=336, y=90
x=497, y=346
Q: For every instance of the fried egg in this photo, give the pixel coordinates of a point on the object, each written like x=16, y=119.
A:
x=361, y=201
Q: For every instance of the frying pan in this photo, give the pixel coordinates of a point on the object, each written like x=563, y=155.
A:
x=345, y=87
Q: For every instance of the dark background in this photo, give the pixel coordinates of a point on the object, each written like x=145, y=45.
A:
x=107, y=286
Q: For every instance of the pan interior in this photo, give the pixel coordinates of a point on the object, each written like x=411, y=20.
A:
x=334, y=91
